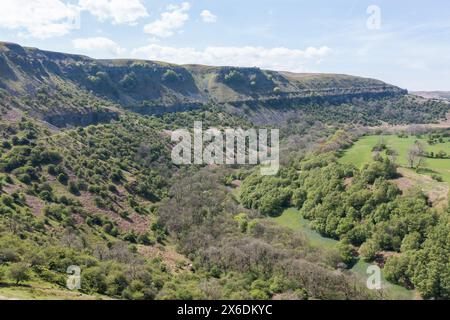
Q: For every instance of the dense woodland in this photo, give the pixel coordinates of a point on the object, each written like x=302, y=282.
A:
x=370, y=216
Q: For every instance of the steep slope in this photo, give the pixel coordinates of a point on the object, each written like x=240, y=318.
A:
x=72, y=89
x=107, y=198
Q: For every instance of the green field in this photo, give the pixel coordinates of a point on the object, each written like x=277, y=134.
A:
x=292, y=219
x=361, y=153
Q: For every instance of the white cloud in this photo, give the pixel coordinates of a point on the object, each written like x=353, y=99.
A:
x=208, y=16
x=266, y=58
x=169, y=21
x=119, y=11
x=98, y=44
x=50, y=18
x=39, y=18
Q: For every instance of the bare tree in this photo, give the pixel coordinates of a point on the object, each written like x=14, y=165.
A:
x=393, y=155
x=416, y=155
x=381, y=141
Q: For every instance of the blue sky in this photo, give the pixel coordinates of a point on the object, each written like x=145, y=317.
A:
x=406, y=43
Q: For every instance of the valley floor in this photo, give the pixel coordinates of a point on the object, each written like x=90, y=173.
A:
x=292, y=219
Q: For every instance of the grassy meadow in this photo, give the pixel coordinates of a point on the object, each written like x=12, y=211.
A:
x=361, y=153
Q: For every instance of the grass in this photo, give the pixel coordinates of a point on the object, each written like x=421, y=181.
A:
x=393, y=291
x=361, y=153
x=292, y=219
x=37, y=290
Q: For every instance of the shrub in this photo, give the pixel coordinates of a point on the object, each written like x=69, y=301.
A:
x=7, y=200
x=24, y=178
x=171, y=76
x=8, y=255
x=110, y=229
x=124, y=214
x=46, y=196
x=52, y=170
x=258, y=294
x=63, y=178
x=112, y=188
x=234, y=77
x=8, y=179
x=129, y=81
x=145, y=240
x=6, y=144
x=346, y=253
x=73, y=188
x=369, y=250
x=437, y=178
x=130, y=237
x=18, y=272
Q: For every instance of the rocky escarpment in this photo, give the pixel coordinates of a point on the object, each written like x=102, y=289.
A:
x=77, y=90
x=81, y=119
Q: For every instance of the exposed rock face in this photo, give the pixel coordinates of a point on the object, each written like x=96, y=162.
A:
x=289, y=101
x=75, y=82
x=81, y=119
x=160, y=110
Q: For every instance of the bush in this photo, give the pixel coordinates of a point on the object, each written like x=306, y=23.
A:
x=63, y=178
x=7, y=200
x=258, y=294
x=145, y=240
x=8, y=179
x=73, y=188
x=437, y=178
x=52, y=170
x=94, y=280
x=346, y=253
x=46, y=196
x=49, y=157
x=110, y=229
x=24, y=178
x=8, y=255
x=129, y=81
x=234, y=77
x=6, y=144
x=369, y=250
x=171, y=76
x=124, y=214
x=130, y=237
x=112, y=188
x=18, y=272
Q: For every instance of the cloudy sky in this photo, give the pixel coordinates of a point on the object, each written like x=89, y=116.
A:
x=406, y=43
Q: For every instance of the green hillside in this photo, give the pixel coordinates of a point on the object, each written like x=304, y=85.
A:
x=65, y=89
x=87, y=180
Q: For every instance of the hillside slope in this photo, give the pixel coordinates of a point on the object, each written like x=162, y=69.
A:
x=72, y=89
x=107, y=198
x=105, y=195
